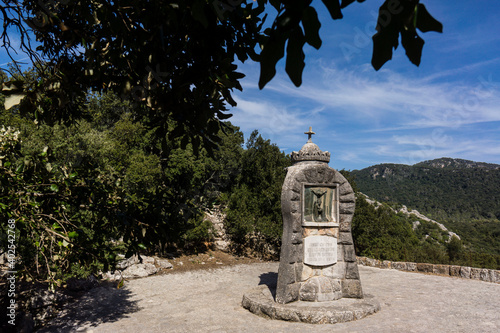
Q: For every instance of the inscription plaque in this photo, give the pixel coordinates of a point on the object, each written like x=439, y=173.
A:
x=320, y=250
x=320, y=205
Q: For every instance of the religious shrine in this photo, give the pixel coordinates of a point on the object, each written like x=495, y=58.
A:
x=317, y=260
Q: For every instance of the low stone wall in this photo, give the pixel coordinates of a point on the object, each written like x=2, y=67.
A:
x=482, y=274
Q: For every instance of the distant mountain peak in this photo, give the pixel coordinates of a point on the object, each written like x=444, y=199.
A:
x=457, y=163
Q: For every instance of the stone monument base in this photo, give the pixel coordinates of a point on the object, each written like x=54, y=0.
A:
x=260, y=301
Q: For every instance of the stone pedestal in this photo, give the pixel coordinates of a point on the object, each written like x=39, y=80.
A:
x=261, y=302
x=317, y=260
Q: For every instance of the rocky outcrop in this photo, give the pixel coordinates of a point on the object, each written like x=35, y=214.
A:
x=420, y=216
x=135, y=267
x=217, y=216
x=415, y=213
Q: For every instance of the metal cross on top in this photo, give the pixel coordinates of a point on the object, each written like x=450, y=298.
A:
x=310, y=133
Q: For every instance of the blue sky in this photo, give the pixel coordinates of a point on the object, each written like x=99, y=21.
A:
x=447, y=107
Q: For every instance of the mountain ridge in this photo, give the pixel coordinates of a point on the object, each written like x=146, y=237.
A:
x=446, y=185
x=457, y=163
x=463, y=195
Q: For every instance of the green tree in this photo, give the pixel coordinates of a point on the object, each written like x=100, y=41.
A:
x=177, y=58
x=380, y=233
x=455, y=248
x=254, y=206
x=78, y=190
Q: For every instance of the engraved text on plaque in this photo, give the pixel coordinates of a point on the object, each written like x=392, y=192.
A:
x=320, y=250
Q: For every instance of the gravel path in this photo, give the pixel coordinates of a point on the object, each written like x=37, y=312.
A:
x=210, y=301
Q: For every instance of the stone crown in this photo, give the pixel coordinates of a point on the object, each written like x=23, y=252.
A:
x=310, y=152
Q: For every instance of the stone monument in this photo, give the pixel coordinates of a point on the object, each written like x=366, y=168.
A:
x=318, y=279
x=317, y=261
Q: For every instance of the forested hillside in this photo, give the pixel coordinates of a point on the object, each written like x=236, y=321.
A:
x=464, y=195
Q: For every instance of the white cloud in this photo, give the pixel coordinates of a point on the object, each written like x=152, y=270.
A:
x=393, y=101
x=412, y=149
x=251, y=115
x=364, y=117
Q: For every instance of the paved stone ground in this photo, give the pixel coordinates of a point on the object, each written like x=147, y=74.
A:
x=210, y=301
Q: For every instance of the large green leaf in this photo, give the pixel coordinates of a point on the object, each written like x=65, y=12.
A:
x=295, y=56
x=273, y=51
x=198, y=12
x=413, y=45
x=404, y=22
x=311, y=27
x=425, y=21
x=333, y=8
x=383, y=43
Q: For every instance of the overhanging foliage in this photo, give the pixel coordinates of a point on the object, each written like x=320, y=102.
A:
x=177, y=58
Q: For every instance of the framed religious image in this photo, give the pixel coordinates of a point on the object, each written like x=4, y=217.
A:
x=320, y=205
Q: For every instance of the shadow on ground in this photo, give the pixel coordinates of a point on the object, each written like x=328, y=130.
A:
x=270, y=280
x=100, y=305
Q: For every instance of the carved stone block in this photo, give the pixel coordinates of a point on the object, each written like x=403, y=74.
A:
x=349, y=254
x=352, y=289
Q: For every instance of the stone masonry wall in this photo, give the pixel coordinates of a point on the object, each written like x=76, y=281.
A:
x=464, y=272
